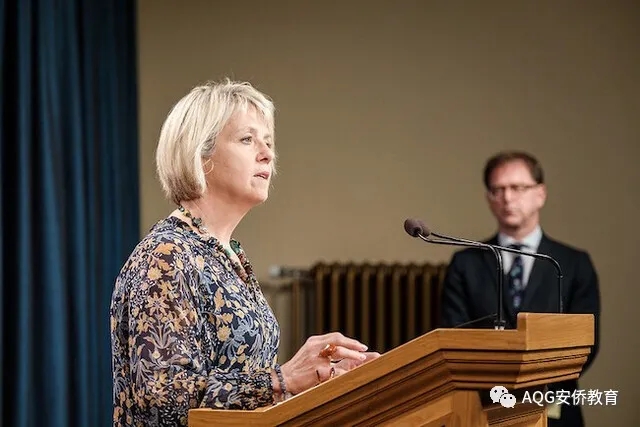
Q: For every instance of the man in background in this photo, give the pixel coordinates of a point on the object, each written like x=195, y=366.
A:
x=516, y=193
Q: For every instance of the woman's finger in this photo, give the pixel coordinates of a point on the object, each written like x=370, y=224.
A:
x=338, y=339
x=325, y=373
x=371, y=355
x=349, y=364
x=345, y=353
x=340, y=371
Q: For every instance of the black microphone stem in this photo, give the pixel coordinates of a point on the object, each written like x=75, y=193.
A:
x=517, y=251
x=539, y=255
x=500, y=323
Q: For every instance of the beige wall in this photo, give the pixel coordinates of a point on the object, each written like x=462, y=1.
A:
x=388, y=109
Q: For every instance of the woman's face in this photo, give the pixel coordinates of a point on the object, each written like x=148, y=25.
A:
x=242, y=160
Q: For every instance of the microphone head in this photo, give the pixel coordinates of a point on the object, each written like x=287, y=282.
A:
x=425, y=230
x=415, y=227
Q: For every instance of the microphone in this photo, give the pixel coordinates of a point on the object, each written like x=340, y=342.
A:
x=416, y=228
x=555, y=263
x=419, y=225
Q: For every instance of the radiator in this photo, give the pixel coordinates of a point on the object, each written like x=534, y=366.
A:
x=382, y=305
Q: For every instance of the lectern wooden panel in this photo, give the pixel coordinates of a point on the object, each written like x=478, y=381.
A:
x=439, y=379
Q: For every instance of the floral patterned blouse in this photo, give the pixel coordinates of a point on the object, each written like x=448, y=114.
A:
x=187, y=331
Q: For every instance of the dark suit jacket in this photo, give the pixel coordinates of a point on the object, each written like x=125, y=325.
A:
x=470, y=292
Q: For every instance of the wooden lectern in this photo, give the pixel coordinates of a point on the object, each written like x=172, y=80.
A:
x=439, y=379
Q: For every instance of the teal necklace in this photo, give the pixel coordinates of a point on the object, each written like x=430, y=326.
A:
x=244, y=269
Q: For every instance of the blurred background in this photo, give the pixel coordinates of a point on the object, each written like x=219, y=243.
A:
x=385, y=110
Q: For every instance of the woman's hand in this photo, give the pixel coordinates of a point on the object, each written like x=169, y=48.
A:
x=308, y=367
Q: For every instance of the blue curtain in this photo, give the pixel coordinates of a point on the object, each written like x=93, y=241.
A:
x=69, y=195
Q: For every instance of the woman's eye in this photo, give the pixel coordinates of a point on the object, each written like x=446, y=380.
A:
x=247, y=140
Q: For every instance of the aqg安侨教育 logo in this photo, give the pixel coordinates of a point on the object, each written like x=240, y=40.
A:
x=500, y=394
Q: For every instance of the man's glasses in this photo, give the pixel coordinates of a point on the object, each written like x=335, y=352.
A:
x=516, y=189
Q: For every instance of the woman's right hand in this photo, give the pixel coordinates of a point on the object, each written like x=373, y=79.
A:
x=308, y=367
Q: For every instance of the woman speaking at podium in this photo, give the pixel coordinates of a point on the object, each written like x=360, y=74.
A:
x=190, y=326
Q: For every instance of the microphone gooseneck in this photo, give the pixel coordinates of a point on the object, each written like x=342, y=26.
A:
x=417, y=228
x=555, y=264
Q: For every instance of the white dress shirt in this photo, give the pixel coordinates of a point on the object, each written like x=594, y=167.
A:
x=530, y=244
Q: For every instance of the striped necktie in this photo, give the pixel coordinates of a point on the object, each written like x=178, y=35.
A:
x=516, y=279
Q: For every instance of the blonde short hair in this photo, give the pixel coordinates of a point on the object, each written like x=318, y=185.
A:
x=190, y=130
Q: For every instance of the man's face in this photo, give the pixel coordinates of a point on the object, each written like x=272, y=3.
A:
x=514, y=197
